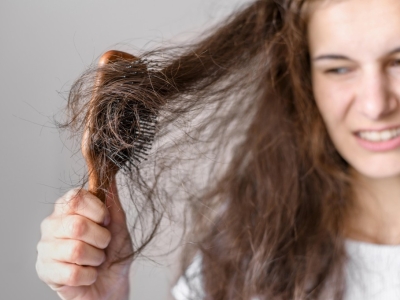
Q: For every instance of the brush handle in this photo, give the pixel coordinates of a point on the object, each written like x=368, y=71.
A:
x=94, y=180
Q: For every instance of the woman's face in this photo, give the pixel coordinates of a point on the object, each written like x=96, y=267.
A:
x=355, y=61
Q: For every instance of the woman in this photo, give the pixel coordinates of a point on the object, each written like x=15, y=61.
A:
x=305, y=96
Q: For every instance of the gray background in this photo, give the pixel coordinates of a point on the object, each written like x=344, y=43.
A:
x=44, y=46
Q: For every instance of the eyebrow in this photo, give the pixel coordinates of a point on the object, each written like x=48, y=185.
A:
x=342, y=57
x=333, y=56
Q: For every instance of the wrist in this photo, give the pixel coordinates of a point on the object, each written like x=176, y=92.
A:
x=119, y=289
x=122, y=291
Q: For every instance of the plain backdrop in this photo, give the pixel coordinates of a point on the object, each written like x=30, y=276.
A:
x=45, y=45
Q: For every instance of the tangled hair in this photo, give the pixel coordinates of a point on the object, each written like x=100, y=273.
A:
x=241, y=142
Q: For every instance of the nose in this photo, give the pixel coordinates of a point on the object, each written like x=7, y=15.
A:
x=376, y=99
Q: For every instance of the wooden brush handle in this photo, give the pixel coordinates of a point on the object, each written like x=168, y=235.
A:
x=94, y=181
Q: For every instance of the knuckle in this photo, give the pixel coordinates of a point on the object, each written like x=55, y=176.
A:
x=73, y=276
x=77, y=227
x=78, y=275
x=73, y=193
x=39, y=248
x=76, y=252
x=69, y=201
x=73, y=198
x=47, y=226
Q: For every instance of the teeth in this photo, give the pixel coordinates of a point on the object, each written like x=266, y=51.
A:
x=378, y=136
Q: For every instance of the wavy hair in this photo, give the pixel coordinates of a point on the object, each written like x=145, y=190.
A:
x=240, y=141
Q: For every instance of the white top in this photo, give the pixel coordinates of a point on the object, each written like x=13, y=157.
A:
x=372, y=273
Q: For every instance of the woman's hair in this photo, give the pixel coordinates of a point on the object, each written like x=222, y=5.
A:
x=240, y=141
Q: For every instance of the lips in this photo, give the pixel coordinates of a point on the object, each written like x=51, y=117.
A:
x=379, y=140
x=379, y=136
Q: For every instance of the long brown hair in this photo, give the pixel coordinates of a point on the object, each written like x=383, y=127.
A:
x=240, y=140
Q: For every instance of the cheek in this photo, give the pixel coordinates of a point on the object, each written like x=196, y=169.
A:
x=333, y=102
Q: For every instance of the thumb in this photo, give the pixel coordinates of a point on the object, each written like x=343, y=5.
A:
x=121, y=242
x=114, y=206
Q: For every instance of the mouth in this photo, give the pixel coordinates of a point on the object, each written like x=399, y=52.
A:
x=379, y=135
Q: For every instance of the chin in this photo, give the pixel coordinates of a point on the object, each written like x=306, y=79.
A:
x=377, y=169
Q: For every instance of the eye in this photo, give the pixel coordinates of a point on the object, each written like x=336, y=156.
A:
x=394, y=67
x=395, y=63
x=338, y=71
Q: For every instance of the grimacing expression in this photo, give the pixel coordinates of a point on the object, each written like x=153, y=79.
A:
x=355, y=64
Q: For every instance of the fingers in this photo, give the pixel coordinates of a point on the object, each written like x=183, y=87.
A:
x=72, y=252
x=60, y=274
x=79, y=240
x=78, y=228
x=72, y=242
x=81, y=202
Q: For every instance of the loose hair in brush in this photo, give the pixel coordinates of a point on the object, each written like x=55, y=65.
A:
x=240, y=141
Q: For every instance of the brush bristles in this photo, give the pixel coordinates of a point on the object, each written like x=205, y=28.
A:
x=124, y=118
x=132, y=144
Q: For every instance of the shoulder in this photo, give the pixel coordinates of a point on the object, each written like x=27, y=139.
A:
x=190, y=284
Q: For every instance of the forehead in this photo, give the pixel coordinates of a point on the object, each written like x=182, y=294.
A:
x=346, y=25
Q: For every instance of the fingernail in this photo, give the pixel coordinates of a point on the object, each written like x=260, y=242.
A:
x=107, y=220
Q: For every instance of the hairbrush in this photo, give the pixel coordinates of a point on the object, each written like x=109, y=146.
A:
x=119, y=126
